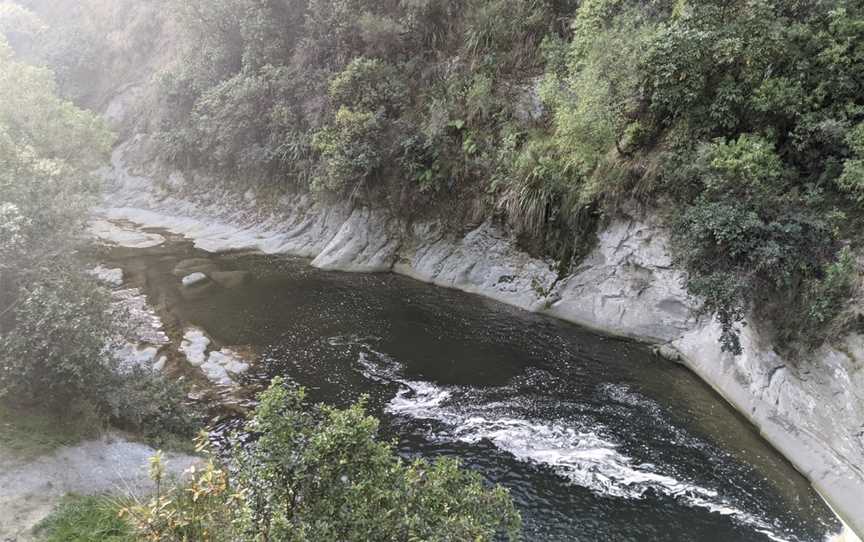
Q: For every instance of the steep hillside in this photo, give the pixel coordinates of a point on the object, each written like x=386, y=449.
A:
x=742, y=122
x=586, y=159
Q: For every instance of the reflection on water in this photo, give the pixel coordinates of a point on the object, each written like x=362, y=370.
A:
x=597, y=438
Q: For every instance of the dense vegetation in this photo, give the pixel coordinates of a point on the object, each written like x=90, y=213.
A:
x=741, y=114
x=743, y=118
x=56, y=322
x=303, y=473
x=740, y=122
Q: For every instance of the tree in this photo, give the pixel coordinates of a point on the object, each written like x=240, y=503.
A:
x=852, y=179
x=318, y=473
x=748, y=235
x=53, y=320
x=352, y=149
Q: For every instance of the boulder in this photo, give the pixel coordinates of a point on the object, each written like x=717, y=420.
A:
x=195, y=279
x=194, y=346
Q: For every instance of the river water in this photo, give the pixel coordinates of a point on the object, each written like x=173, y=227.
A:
x=597, y=439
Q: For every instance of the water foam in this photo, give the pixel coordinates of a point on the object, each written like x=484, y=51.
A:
x=580, y=450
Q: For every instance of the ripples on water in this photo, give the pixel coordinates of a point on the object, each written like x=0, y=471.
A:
x=596, y=438
x=576, y=445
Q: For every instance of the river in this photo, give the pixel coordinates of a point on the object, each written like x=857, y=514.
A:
x=597, y=438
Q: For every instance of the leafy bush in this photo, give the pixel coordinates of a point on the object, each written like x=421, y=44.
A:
x=228, y=127
x=852, y=178
x=54, y=321
x=154, y=407
x=55, y=351
x=537, y=178
x=368, y=84
x=205, y=509
x=825, y=299
x=746, y=236
x=351, y=150
x=317, y=473
x=601, y=94
x=505, y=34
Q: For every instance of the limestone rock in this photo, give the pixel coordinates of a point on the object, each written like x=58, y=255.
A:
x=219, y=366
x=124, y=235
x=367, y=241
x=113, y=277
x=194, y=346
x=194, y=279
x=222, y=365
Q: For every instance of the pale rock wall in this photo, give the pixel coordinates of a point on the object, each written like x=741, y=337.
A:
x=812, y=413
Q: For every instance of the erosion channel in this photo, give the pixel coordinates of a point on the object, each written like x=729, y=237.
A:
x=597, y=438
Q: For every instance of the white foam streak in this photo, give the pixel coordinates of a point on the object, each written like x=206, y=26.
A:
x=585, y=456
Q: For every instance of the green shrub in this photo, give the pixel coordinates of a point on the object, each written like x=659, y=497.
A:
x=54, y=322
x=228, y=123
x=343, y=484
x=596, y=93
x=54, y=351
x=352, y=149
x=706, y=62
x=746, y=236
x=368, y=84
x=537, y=179
x=503, y=35
x=154, y=407
x=318, y=473
x=382, y=35
x=55, y=319
x=852, y=179
x=827, y=295
x=826, y=298
x=204, y=509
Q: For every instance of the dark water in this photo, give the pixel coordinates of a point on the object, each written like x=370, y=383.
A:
x=596, y=438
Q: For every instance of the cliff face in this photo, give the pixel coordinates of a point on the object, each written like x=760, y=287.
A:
x=812, y=412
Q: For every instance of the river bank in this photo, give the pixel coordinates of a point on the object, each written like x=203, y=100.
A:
x=627, y=286
x=30, y=487
x=558, y=414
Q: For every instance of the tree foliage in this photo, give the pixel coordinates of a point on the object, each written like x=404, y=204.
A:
x=56, y=322
x=744, y=115
x=319, y=473
x=53, y=319
x=548, y=114
x=382, y=58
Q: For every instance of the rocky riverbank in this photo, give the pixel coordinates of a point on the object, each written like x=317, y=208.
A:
x=811, y=411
